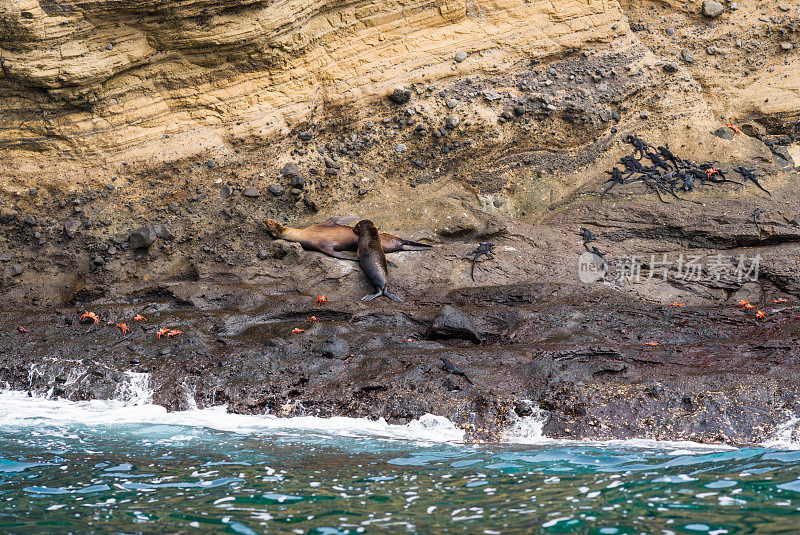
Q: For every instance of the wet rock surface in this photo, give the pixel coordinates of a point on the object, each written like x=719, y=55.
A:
x=581, y=354
x=482, y=144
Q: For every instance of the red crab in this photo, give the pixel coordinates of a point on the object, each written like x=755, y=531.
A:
x=89, y=318
x=139, y=317
x=124, y=328
x=312, y=319
x=736, y=129
x=321, y=300
x=298, y=330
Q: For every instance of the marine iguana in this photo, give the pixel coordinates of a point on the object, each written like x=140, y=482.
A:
x=484, y=249
x=449, y=367
x=639, y=145
x=587, y=236
x=750, y=175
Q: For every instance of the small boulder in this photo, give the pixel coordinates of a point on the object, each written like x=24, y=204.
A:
x=724, y=133
x=71, y=227
x=298, y=182
x=400, y=96
x=290, y=170
x=491, y=95
x=7, y=214
x=251, y=193
x=670, y=67
x=461, y=56
x=142, y=238
x=164, y=233
x=452, y=122
x=276, y=189
x=452, y=323
x=712, y=8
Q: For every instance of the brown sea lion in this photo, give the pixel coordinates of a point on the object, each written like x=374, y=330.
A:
x=372, y=260
x=333, y=235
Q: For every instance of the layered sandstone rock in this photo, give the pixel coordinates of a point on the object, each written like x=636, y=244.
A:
x=154, y=80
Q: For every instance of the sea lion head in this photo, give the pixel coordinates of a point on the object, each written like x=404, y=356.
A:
x=364, y=226
x=274, y=228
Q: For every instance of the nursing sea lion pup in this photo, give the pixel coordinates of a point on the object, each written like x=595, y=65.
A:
x=333, y=235
x=372, y=260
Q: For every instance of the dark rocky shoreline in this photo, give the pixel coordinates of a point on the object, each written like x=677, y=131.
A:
x=502, y=143
x=577, y=351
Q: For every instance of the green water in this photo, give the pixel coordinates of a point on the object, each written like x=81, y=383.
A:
x=79, y=477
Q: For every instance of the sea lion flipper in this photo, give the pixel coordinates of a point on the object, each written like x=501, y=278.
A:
x=391, y=264
x=370, y=297
x=339, y=255
x=409, y=245
x=337, y=220
x=391, y=296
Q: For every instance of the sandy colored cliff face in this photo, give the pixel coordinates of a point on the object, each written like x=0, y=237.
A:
x=142, y=144
x=104, y=82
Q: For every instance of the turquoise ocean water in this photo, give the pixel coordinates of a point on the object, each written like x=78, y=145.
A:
x=114, y=467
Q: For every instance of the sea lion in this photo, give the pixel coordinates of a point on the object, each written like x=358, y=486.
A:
x=372, y=260
x=333, y=236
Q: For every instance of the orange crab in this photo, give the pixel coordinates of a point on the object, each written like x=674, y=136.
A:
x=760, y=315
x=22, y=329
x=652, y=344
x=124, y=328
x=780, y=300
x=711, y=172
x=89, y=318
x=312, y=319
x=676, y=304
x=139, y=317
x=298, y=330
x=736, y=129
x=169, y=333
x=321, y=300
x=743, y=303
x=748, y=306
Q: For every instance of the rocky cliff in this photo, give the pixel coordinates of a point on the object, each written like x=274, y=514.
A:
x=144, y=142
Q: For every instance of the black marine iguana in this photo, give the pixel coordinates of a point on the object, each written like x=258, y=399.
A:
x=484, y=249
x=750, y=175
x=449, y=367
x=587, y=236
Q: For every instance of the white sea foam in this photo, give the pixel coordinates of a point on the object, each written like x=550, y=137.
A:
x=18, y=409
x=133, y=406
x=528, y=429
x=786, y=436
x=136, y=390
